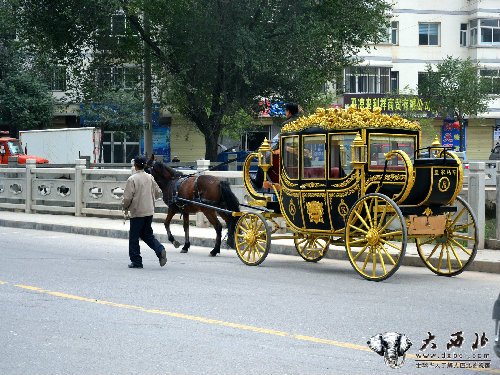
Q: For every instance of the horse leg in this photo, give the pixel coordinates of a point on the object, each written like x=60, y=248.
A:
x=168, y=219
x=186, y=246
x=211, y=215
x=230, y=224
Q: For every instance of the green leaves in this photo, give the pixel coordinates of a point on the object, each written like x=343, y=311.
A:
x=454, y=87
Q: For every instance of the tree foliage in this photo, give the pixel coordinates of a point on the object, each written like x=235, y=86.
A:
x=453, y=88
x=213, y=58
x=25, y=101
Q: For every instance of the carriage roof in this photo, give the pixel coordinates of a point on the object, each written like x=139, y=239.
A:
x=348, y=119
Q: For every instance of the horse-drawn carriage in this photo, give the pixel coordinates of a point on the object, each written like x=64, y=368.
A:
x=359, y=178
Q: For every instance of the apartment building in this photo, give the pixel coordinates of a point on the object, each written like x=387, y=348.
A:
x=425, y=32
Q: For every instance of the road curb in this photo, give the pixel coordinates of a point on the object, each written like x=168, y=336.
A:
x=276, y=248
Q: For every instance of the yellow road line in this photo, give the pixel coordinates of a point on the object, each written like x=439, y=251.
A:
x=222, y=323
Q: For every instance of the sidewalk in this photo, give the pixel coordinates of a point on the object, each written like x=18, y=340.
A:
x=485, y=261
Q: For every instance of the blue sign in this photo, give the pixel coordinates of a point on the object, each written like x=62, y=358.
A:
x=450, y=135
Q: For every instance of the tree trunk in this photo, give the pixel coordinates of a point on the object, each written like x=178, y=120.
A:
x=211, y=140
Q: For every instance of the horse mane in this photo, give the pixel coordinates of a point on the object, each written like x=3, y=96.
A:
x=174, y=173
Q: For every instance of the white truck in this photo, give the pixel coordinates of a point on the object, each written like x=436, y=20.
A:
x=63, y=146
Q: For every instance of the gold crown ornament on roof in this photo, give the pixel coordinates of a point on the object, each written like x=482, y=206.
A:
x=351, y=118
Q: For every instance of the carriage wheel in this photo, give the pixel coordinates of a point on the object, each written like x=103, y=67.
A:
x=375, y=237
x=311, y=247
x=450, y=254
x=253, y=239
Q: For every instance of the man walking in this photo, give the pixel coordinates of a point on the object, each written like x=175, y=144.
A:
x=138, y=199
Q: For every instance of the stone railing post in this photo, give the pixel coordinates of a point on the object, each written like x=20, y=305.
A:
x=80, y=165
x=30, y=165
x=498, y=201
x=477, y=197
x=201, y=166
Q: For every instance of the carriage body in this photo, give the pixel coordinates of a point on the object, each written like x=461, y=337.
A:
x=366, y=184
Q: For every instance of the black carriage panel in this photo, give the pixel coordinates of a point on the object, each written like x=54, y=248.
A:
x=291, y=209
x=437, y=182
x=340, y=203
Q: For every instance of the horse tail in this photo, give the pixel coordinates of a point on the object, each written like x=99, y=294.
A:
x=230, y=202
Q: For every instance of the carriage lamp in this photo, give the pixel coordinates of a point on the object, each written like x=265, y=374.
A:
x=436, y=146
x=265, y=157
x=359, y=152
x=496, y=318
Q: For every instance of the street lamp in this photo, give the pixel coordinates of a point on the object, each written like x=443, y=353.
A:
x=496, y=318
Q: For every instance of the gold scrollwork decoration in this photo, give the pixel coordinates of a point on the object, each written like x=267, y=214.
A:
x=351, y=118
x=345, y=193
x=312, y=185
x=285, y=179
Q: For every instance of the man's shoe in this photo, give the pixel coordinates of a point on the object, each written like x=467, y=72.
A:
x=163, y=258
x=133, y=265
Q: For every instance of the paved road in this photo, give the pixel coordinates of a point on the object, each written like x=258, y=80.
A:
x=69, y=305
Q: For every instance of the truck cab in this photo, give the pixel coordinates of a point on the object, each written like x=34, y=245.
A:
x=12, y=147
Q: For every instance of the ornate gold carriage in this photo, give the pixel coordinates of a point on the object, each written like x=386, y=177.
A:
x=361, y=179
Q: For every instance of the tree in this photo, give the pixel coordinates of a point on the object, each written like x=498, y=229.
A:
x=25, y=101
x=454, y=89
x=215, y=57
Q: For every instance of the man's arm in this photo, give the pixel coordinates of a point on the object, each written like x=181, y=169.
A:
x=156, y=189
x=128, y=194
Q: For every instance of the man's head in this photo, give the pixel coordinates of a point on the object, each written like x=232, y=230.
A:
x=291, y=109
x=139, y=162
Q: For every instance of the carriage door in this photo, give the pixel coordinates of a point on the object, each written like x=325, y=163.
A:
x=313, y=186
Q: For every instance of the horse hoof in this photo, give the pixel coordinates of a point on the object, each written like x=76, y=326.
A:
x=176, y=244
x=214, y=253
x=184, y=251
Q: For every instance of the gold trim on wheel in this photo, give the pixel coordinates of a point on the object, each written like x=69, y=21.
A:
x=310, y=247
x=451, y=253
x=253, y=239
x=375, y=237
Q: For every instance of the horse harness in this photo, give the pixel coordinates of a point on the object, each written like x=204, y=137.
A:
x=173, y=192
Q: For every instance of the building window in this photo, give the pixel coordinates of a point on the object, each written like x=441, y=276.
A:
x=392, y=34
x=118, y=77
x=491, y=80
x=422, y=76
x=394, y=82
x=56, y=78
x=485, y=32
x=395, y=32
x=463, y=35
x=428, y=34
x=367, y=80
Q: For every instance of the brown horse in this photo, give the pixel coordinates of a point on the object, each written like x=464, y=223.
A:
x=202, y=188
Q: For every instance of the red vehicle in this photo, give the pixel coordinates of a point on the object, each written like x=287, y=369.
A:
x=11, y=147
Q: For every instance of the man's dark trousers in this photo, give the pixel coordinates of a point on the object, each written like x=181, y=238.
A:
x=140, y=227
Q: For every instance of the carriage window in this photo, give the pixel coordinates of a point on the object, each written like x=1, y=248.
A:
x=290, y=156
x=313, y=157
x=382, y=144
x=340, y=155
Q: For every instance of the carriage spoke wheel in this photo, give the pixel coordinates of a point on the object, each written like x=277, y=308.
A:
x=311, y=247
x=375, y=237
x=253, y=239
x=452, y=252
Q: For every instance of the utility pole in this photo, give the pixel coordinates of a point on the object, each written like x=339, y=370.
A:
x=148, y=100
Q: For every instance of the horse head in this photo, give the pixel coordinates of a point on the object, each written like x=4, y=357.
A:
x=163, y=172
